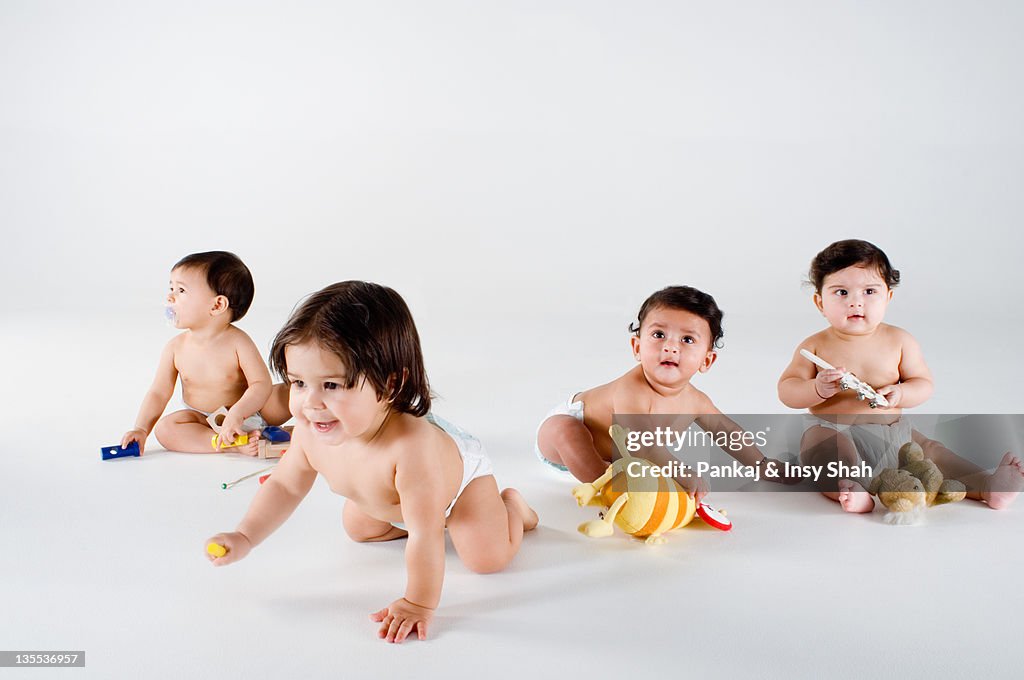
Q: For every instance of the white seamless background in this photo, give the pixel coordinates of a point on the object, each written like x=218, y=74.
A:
x=524, y=174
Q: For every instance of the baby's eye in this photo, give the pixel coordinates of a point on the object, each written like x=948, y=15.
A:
x=658, y=334
x=841, y=292
x=870, y=291
x=331, y=386
x=689, y=340
x=298, y=384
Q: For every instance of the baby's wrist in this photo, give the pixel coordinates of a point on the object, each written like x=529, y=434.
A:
x=814, y=384
x=416, y=604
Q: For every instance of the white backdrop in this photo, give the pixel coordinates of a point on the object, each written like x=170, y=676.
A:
x=525, y=174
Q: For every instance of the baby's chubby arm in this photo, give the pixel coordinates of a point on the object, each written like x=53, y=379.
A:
x=155, y=401
x=716, y=422
x=748, y=454
x=256, y=394
x=802, y=385
x=915, y=385
x=274, y=503
x=420, y=484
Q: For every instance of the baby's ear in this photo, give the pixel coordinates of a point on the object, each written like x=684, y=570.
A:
x=392, y=379
x=818, y=302
x=220, y=305
x=709, y=359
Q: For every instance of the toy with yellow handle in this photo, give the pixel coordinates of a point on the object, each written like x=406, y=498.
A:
x=642, y=505
x=240, y=440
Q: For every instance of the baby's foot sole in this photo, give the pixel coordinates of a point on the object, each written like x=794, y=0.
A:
x=530, y=518
x=1005, y=483
x=853, y=498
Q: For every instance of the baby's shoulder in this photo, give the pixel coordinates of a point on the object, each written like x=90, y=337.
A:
x=237, y=336
x=629, y=393
x=418, y=449
x=895, y=333
x=900, y=340
x=177, y=344
x=413, y=438
x=699, y=402
x=815, y=341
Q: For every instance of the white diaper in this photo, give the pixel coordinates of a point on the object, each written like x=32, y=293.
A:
x=250, y=424
x=877, y=444
x=569, y=407
x=475, y=462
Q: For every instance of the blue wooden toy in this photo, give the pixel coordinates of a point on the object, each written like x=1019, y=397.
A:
x=275, y=434
x=115, y=451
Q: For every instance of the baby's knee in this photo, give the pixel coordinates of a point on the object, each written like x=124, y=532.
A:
x=163, y=431
x=355, y=530
x=486, y=563
x=366, y=530
x=361, y=535
x=563, y=431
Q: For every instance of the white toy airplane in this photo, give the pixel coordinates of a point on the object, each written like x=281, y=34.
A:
x=850, y=382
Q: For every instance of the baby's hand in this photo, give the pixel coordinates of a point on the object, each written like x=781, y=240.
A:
x=400, y=618
x=137, y=435
x=826, y=383
x=693, y=485
x=892, y=393
x=236, y=544
x=230, y=430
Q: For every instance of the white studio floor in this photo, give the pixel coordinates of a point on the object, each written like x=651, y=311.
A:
x=107, y=557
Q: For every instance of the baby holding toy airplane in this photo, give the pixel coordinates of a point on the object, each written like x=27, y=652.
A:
x=676, y=336
x=218, y=363
x=359, y=394
x=853, y=282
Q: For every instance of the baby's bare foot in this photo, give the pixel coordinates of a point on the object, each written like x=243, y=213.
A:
x=516, y=500
x=1005, y=483
x=252, y=447
x=854, y=498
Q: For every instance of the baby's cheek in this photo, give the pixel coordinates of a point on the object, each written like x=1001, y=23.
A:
x=295, y=407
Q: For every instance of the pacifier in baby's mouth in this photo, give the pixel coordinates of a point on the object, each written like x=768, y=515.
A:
x=170, y=317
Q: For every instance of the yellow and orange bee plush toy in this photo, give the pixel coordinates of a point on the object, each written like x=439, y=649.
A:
x=644, y=506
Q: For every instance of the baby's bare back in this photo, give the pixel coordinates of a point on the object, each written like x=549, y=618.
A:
x=210, y=373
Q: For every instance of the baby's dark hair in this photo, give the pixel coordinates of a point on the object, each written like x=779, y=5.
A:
x=688, y=299
x=849, y=253
x=226, y=275
x=369, y=327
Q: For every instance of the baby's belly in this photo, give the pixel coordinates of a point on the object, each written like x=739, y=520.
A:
x=847, y=404
x=209, y=399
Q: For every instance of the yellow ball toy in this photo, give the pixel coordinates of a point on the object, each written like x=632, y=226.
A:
x=216, y=549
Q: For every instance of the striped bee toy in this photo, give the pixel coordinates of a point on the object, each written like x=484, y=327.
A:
x=644, y=506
